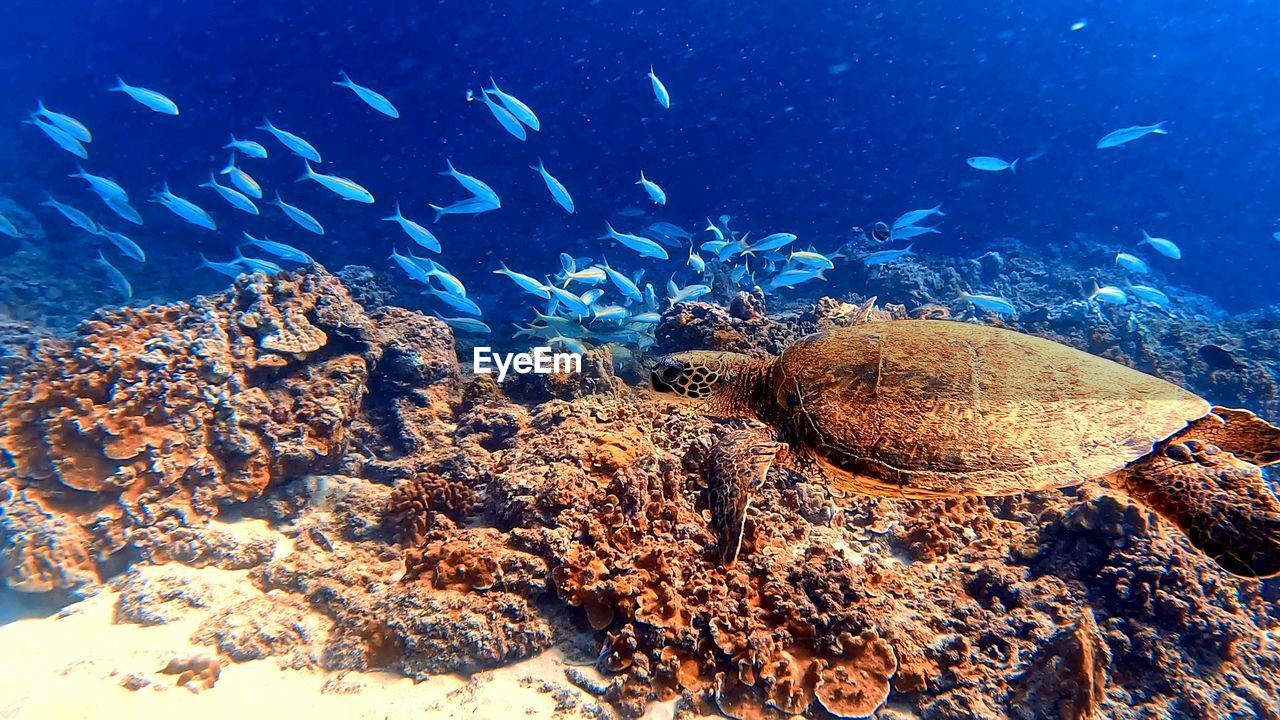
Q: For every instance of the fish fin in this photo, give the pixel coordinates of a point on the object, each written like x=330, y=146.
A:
x=1159, y=129
x=439, y=210
x=308, y=174
x=120, y=86
x=345, y=81
x=1013, y=166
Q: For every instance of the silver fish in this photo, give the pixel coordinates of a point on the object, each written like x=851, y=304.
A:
x=299, y=216
x=375, y=100
x=296, y=145
x=992, y=164
x=513, y=105
x=1129, y=134
x=115, y=277
x=149, y=98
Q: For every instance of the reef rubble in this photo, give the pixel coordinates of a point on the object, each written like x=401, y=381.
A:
x=425, y=521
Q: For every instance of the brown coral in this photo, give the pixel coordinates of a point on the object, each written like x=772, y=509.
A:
x=158, y=416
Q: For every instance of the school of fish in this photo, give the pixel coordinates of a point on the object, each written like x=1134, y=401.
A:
x=582, y=302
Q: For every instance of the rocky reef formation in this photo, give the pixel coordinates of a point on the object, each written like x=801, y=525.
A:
x=151, y=419
x=435, y=523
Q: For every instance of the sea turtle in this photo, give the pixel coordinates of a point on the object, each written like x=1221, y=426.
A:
x=933, y=408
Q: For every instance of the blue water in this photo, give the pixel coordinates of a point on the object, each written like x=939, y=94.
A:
x=811, y=117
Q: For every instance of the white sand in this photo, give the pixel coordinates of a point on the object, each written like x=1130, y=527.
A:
x=73, y=666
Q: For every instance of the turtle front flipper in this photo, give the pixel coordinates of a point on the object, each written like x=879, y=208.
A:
x=737, y=467
x=1219, y=500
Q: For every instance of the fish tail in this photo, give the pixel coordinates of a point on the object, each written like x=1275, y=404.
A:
x=1013, y=166
x=119, y=87
x=1159, y=129
x=308, y=174
x=439, y=211
x=345, y=81
x=266, y=125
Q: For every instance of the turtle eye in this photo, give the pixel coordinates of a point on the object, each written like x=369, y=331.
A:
x=669, y=371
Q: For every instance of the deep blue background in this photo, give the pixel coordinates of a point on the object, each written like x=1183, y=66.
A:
x=806, y=116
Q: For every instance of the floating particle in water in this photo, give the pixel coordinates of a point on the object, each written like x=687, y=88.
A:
x=1080, y=24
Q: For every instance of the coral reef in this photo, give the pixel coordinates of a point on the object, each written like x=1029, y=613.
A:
x=151, y=419
x=430, y=523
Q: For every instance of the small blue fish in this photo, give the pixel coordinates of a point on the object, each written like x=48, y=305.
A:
x=642, y=245
x=1109, y=294
x=470, y=206
x=915, y=217
x=279, y=249
x=696, y=262
x=656, y=193
x=59, y=136
x=1129, y=134
x=248, y=148
x=419, y=234
x=77, y=217
x=791, y=278
x=257, y=264
x=241, y=179
x=504, y=117
x=911, y=231
x=688, y=293
x=296, y=145
x=411, y=268
x=373, y=99
x=473, y=185
x=1150, y=295
x=659, y=90
x=811, y=259
x=1132, y=263
x=106, y=188
x=447, y=280
x=1165, y=247
x=558, y=191
x=230, y=269
x=466, y=325
x=340, y=186
x=115, y=277
x=461, y=304
x=513, y=105
x=233, y=197
x=8, y=228
x=525, y=282
x=65, y=123
x=990, y=303
x=124, y=244
x=185, y=209
x=149, y=98
x=769, y=242
x=992, y=164
x=884, y=257
x=573, y=302
x=625, y=285
x=299, y=216
x=123, y=209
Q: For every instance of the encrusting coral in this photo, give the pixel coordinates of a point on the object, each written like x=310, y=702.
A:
x=151, y=419
x=442, y=524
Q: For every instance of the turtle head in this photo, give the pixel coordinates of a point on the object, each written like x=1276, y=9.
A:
x=717, y=383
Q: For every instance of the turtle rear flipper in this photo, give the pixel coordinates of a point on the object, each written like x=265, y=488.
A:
x=1239, y=432
x=738, y=466
x=1220, y=501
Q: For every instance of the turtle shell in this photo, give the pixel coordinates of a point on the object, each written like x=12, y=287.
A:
x=927, y=408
